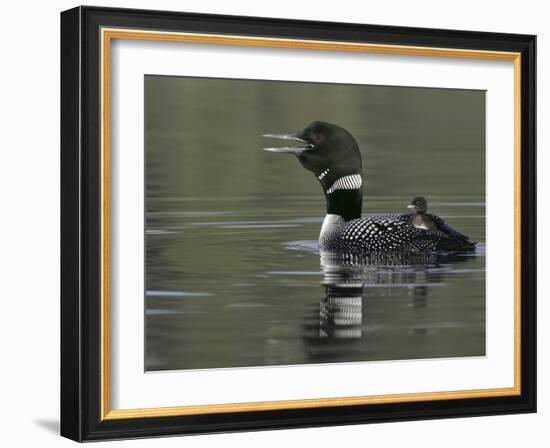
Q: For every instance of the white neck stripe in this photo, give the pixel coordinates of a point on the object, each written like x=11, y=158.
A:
x=324, y=173
x=351, y=182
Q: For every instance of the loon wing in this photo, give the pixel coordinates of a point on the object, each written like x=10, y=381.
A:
x=448, y=230
x=380, y=233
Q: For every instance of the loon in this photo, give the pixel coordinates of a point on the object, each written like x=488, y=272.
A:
x=420, y=219
x=331, y=153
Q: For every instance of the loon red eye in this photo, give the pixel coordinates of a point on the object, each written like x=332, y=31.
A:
x=317, y=137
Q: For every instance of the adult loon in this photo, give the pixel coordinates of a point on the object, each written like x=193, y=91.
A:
x=332, y=155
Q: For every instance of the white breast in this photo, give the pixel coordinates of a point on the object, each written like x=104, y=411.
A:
x=330, y=224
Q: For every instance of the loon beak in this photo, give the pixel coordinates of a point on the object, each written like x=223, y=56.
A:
x=306, y=146
x=411, y=206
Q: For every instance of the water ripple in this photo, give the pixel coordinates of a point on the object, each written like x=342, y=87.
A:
x=177, y=294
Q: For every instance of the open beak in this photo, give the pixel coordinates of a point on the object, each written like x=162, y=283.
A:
x=297, y=149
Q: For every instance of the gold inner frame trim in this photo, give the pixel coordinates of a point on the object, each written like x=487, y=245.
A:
x=107, y=35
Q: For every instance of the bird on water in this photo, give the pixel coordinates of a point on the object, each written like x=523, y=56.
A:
x=420, y=219
x=331, y=153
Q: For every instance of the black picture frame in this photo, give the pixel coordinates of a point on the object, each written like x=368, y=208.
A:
x=81, y=382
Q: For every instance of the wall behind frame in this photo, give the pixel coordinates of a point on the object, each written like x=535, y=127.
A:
x=29, y=181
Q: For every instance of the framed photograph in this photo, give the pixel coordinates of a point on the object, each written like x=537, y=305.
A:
x=275, y=224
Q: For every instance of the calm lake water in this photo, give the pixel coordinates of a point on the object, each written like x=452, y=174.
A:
x=233, y=274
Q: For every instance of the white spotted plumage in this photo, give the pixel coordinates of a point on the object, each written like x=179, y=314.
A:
x=380, y=233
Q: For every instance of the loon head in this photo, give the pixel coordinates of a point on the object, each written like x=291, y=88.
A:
x=332, y=155
x=419, y=204
x=327, y=150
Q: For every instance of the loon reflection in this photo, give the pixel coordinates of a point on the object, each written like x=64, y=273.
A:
x=350, y=280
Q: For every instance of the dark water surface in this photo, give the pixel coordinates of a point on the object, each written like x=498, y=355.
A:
x=233, y=275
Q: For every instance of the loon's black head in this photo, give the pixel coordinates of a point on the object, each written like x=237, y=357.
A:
x=332, y=154
x=327, y=150
x=419, y=204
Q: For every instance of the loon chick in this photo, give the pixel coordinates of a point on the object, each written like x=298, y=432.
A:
x=426, y=221
x=332, y=155
x=420, y=219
